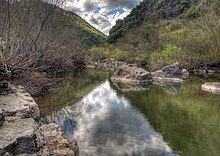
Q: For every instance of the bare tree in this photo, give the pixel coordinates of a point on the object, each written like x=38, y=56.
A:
x=34, y=31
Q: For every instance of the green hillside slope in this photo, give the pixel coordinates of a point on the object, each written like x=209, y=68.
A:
x=160, y=32
x=87, y=33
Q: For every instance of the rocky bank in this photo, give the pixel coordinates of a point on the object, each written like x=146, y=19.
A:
x=170, y=73
x=20, y=134
x=130, y=74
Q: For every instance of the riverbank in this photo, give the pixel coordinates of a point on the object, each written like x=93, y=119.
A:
x=21, y=134
x=24, y=115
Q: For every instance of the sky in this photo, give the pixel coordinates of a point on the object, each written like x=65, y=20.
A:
x=102, y=14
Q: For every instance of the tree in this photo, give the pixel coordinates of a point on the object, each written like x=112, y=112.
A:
x=36, y=33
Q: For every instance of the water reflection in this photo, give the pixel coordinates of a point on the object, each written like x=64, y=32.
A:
x=105, y=124
x=172, y=88
x=126, y=87
x=105, y=121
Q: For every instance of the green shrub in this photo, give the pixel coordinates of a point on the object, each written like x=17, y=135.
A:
x=167, y=55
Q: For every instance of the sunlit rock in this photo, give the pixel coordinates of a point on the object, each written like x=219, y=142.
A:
x=130, y=74
x=212, y=87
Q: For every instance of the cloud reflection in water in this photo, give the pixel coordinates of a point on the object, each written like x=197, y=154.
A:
x=106, y=124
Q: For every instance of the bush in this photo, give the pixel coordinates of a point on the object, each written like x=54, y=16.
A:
x=169, y=54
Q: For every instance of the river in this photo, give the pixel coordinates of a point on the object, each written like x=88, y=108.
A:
x=110, y=119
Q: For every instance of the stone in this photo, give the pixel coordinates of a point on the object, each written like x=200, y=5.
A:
x=120, y=63
x=212, y=87
x=19, y=104
x=110, y=64
x=185, y=73
x=172, y=70
x=127, y=74
x=170, y=73
x=2, y=117
x=52, y=141
x=18, y=137
x=210, y=72
x=199, y=71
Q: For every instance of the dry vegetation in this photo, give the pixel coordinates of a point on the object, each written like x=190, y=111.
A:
x=41, y=36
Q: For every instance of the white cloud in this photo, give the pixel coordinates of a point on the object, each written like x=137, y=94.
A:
x=102, y=14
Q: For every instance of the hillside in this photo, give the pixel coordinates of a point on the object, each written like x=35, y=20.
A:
x=152, y=10
x=161, y=32
x=87, y=33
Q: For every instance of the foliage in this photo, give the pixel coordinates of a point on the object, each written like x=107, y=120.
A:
x=108, y=51
x=191, y=38
x=169, y=54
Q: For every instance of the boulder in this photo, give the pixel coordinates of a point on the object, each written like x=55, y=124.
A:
x=127, y=74
x=18, y=137
x=52, y=141
x=19, y=104
x=212, y=87
x=170, y=73
x=2, y=117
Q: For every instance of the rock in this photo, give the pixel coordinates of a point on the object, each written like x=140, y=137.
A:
x=170, y=73
x=110, y=64
x=18, y=137
x=19, y=104
x=185, y=73
x=127, y=74
x=210, y=72
x=120, y=63
x=52, y=141
x=172, y=70
x=133, y=65
x=212, y=87
x=2, y=117
x=199, y=71
x=90, y=66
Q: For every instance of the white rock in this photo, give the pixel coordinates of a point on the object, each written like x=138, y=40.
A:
x=212, y=87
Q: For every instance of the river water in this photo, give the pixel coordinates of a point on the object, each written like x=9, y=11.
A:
x=110, y=119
